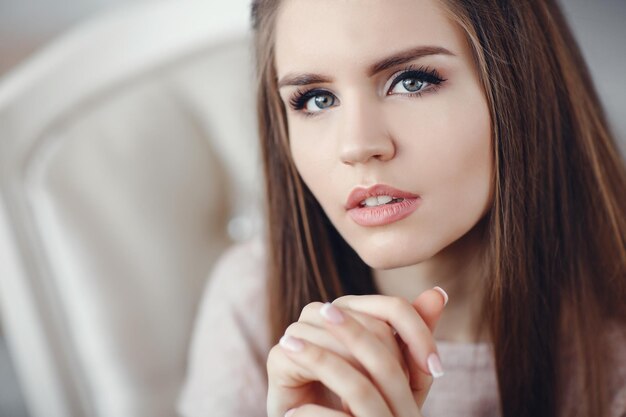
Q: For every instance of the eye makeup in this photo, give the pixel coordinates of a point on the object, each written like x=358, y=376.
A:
x=423, y=75
x=427, y=78
x=299, y=99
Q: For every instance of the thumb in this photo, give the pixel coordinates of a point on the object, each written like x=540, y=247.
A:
x=430, y=304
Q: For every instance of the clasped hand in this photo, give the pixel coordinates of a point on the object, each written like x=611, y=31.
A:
x=361, y=356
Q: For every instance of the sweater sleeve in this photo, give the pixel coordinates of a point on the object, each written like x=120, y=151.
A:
x=226, y=367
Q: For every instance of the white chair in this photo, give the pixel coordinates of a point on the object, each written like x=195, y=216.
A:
x=128, y=162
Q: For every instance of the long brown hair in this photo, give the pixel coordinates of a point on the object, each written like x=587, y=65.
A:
x=557, y=226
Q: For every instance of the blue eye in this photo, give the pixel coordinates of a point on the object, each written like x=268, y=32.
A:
x=414, y=81
x=411, y=85
x=312, y=101
x=322, y=101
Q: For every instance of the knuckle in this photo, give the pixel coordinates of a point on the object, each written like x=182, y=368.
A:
x=360, y=390
x=343, y=300
x=309, y=309
x=358, y=338
x=273, y=357
x=317, y=356
x=291, y=329
x=399, y=306
x=382, y=330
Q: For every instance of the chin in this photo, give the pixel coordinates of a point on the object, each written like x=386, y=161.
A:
x=379, y=255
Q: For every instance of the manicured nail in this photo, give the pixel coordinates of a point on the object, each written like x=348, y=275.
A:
x=443, y=294
x=291, y=343
x=331, y=313
x=434, y=365
x=289, y=413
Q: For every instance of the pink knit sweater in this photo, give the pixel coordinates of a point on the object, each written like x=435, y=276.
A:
x=226, y=371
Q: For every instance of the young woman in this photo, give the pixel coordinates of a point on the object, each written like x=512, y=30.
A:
x=411, y=145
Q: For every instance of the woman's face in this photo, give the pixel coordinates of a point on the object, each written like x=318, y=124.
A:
x=388, y=124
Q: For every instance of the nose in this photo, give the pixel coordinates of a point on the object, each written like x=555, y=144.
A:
x=363, y=134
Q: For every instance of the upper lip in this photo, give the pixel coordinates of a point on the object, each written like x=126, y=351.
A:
x=360, y=193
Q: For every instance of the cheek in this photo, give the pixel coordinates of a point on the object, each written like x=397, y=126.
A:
x=451, y=148
x=460, y=169
x=469, y=173
x=313, y=158
x=305, y=156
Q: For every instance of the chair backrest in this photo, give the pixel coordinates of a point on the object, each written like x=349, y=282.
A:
x=128, y=161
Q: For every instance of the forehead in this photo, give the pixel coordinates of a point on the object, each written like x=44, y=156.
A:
x=321, y=35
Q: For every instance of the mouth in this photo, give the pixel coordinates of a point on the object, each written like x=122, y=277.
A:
x=380, y=201
x=378, y=195
x=380, y=205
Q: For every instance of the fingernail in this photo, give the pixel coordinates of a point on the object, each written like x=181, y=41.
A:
x=331, y=313
x=434, y=365
x=291, y=343
x=289, y=413
x=443, y=294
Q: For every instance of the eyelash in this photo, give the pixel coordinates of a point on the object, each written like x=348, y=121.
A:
x=430, y=75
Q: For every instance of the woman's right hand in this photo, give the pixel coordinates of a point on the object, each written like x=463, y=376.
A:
x=362, y=361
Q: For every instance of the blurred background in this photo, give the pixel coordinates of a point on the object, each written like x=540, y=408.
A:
x=83, y=95
x=127, y=165
x=26, y=25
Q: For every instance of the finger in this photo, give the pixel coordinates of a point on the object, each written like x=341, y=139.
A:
x=383, y=368
x=404, y=318
x=314, y=410
x=318, y=364
x=311, y=314
x=289, y=386
x=383, y=331
x=322, y=338
x=430, y=304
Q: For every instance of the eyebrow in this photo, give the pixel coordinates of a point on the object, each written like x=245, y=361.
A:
x=396, y=59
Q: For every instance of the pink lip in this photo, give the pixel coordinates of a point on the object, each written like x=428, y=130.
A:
x=381, y=215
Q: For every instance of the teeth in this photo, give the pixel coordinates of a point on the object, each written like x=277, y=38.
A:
x=384, y=199
x=377, y=201
x=370, y=202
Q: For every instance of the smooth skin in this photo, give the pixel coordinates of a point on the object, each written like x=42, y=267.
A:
x=362, y=128
x=361, y=360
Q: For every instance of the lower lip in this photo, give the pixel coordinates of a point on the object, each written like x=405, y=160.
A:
x=385, y=214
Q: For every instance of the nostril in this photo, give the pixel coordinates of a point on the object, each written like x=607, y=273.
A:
x=363, y=153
